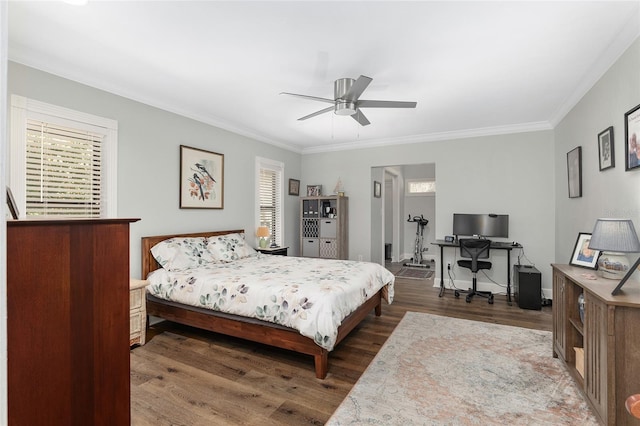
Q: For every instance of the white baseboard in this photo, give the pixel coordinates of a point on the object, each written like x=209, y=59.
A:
x=425, y=257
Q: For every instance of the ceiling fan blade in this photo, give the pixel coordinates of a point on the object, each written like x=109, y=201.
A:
x=386, y=104
x=322, y=111
x=313, y=98
x=357, y=88
x=360, y=118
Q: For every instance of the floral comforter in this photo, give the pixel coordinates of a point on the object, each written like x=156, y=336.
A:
x=309, y=295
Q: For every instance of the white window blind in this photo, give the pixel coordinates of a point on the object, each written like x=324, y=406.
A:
x=269, y=203
x=63, y=171
x=64, y=162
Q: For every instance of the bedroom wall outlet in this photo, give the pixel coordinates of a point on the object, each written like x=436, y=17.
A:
x=359, y=258
x=448, y=266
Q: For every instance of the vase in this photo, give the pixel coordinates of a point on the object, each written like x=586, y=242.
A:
x=613, y=265
x=581, y=307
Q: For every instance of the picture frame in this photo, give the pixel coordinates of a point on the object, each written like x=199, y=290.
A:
x=201, y=179
x=294, y=187
x=11, y=204
x=377, y=189
x=605, y=149
x=574, y=172
x=314, y=190
x=631, y=137
x=582, y=255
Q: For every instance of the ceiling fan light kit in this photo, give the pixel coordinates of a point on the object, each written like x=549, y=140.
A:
x=346, y=100
x=345, y=108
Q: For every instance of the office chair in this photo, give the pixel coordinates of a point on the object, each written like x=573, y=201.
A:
x=475, y=249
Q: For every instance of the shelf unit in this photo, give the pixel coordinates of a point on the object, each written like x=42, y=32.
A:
x=324, y=227
x=608, y=337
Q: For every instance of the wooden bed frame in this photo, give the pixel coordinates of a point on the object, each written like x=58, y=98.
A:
x=247, y=328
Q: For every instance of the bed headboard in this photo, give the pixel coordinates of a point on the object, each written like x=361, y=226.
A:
x=149, y=262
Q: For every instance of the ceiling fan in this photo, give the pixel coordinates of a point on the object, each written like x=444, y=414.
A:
x=346, y=93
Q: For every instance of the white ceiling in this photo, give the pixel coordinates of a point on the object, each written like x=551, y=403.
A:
x=473, y=67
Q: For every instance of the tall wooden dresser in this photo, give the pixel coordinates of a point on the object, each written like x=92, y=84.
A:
x=68, y=322
x=601, y=349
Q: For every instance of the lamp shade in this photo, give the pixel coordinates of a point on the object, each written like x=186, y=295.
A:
x=615, y=235
x=262, y=231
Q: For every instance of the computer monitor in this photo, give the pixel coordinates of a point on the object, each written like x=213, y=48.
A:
x=481, y=225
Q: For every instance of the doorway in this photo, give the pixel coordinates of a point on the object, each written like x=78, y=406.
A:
x=391, y=232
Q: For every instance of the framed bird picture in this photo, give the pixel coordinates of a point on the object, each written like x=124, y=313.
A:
x=201, y=179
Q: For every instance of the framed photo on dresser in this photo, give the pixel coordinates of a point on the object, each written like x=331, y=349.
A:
x=582, y=255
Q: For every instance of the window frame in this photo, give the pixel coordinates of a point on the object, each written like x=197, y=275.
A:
x=23, y=108
x=278, y=168
x=419, y=194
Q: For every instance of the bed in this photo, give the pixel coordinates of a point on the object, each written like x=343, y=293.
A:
x=191, y=295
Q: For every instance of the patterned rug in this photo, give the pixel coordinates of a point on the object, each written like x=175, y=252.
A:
x=414, y=273
x=436, y=370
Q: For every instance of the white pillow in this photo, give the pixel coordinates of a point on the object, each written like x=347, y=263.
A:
x=229, y=247
x=178, y=254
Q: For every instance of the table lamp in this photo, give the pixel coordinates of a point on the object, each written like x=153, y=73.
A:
x=614, y=238
x=263, y=233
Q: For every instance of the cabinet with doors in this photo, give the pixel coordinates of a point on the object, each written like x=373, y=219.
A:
x=324, y=227
x=600, y=347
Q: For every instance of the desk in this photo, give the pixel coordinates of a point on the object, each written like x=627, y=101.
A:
x=495, y=245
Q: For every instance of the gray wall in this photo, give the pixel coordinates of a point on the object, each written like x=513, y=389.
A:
x=511, y=174
x=523, y=174
x=149, y=166
x=608, y=193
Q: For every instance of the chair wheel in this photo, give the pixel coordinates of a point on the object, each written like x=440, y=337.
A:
x=456, y=294
x=490, y=300
x=468, y=299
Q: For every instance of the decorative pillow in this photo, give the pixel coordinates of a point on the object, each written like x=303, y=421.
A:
x=229, y=247
x=178, y=254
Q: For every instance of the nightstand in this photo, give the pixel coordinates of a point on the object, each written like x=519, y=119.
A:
x=137, y=311
x=277, y=251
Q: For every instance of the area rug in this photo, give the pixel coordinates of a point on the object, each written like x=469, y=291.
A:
x=414, y=273
x=436, y=370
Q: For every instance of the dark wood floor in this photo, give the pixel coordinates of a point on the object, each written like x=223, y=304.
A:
x=184, y=376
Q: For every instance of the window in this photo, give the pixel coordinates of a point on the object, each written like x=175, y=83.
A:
x=421, y=187
x=269, y=175
x=63, y=162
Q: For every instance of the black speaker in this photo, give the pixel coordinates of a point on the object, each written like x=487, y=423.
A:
x=527, y=287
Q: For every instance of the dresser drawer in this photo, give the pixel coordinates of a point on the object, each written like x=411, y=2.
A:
x=136, y=322
x=137, y=312
x=135, y=298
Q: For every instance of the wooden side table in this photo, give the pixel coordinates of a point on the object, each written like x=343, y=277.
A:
x=137, y=312
x=277, y=251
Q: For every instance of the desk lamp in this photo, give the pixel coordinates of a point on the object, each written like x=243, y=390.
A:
x=263, y=233
x=615, y=237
